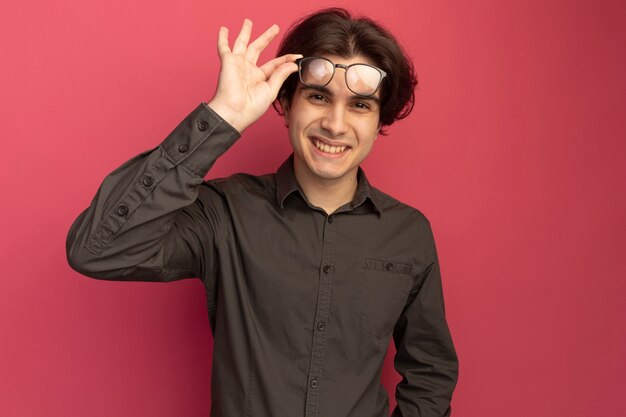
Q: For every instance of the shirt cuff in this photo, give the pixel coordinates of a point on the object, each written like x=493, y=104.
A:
x=199, y=140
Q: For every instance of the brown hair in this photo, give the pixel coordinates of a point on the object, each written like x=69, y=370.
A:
x=335, y=31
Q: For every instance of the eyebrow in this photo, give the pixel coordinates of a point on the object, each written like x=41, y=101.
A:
x=326, y=91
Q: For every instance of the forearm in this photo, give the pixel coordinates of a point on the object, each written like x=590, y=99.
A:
x=425, y=358
x=125, y=230
x=429, y=369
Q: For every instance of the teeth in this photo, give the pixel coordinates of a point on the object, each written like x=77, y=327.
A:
x=328, y=149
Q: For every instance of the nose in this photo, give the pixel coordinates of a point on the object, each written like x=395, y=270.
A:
x=334, y=120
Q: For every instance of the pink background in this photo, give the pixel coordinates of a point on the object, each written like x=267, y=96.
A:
x=515, y=151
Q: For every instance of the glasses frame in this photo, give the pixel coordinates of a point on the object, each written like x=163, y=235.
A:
x=299, y=61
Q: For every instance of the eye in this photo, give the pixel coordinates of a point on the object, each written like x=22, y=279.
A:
x=317, y=97
x=362, y=105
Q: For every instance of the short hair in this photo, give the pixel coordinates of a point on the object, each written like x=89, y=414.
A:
x=335, y=31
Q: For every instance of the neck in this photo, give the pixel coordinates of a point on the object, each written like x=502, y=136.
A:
x=328, y=194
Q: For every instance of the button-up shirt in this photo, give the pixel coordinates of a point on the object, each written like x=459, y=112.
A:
x=302, y=304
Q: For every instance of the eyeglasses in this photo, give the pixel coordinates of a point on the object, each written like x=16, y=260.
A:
x=361, y=79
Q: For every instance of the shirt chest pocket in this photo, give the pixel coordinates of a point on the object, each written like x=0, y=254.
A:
x=382, y=292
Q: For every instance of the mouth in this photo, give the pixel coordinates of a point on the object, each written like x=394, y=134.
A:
x=327, y=148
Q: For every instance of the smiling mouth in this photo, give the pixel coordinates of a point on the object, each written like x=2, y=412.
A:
x=329, y=149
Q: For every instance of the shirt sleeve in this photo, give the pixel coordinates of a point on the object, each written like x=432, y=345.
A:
x=145, y=222
x=425, y=355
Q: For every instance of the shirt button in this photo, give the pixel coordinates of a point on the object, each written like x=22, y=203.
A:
x=202, y=125
x=326, y=269
x=321, y=326
x=183, y=148
x=314, y=383
x=147, y=181
x=122, y=210
x=330, y=219
x=389, y=266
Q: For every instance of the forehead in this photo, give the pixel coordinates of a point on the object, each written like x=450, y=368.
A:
x=354, y=59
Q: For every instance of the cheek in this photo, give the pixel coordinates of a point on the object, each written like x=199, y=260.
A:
x=368, y=132
x=298, y=123
x=296, y=133
x=369, y=146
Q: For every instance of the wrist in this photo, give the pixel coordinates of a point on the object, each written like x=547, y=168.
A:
x=231, y=117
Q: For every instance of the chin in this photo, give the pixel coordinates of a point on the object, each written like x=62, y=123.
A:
x=328, y=173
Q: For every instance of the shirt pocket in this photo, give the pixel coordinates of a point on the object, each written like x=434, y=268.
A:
x=383, y=290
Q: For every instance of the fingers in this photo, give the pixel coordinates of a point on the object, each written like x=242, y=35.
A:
x=241, y=43
x=260, y=43
x=222, y=41
x=270, y=66
x=278, y=77
x=252, y=51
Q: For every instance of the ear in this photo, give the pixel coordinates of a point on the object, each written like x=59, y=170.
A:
x=284, y=107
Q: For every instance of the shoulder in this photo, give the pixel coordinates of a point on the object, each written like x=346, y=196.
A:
x=239, y=184
x=393, y=207
x=217, y=197
x=408, y=227
x=405, y=219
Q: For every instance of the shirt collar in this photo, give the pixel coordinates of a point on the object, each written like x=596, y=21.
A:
x=286, y=184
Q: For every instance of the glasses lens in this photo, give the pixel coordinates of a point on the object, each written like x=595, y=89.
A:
x=316, y=71
x=363, y=79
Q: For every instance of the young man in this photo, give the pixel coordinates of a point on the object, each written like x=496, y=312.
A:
x=309, y=272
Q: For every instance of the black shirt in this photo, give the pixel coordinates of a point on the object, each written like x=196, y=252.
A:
x=302, y=304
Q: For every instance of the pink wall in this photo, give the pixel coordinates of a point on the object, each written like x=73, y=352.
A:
x=515, y=151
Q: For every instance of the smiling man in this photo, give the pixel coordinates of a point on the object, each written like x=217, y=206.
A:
x=309, y=272
x=333, y=122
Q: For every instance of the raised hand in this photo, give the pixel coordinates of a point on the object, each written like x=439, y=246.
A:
x=245, y=90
